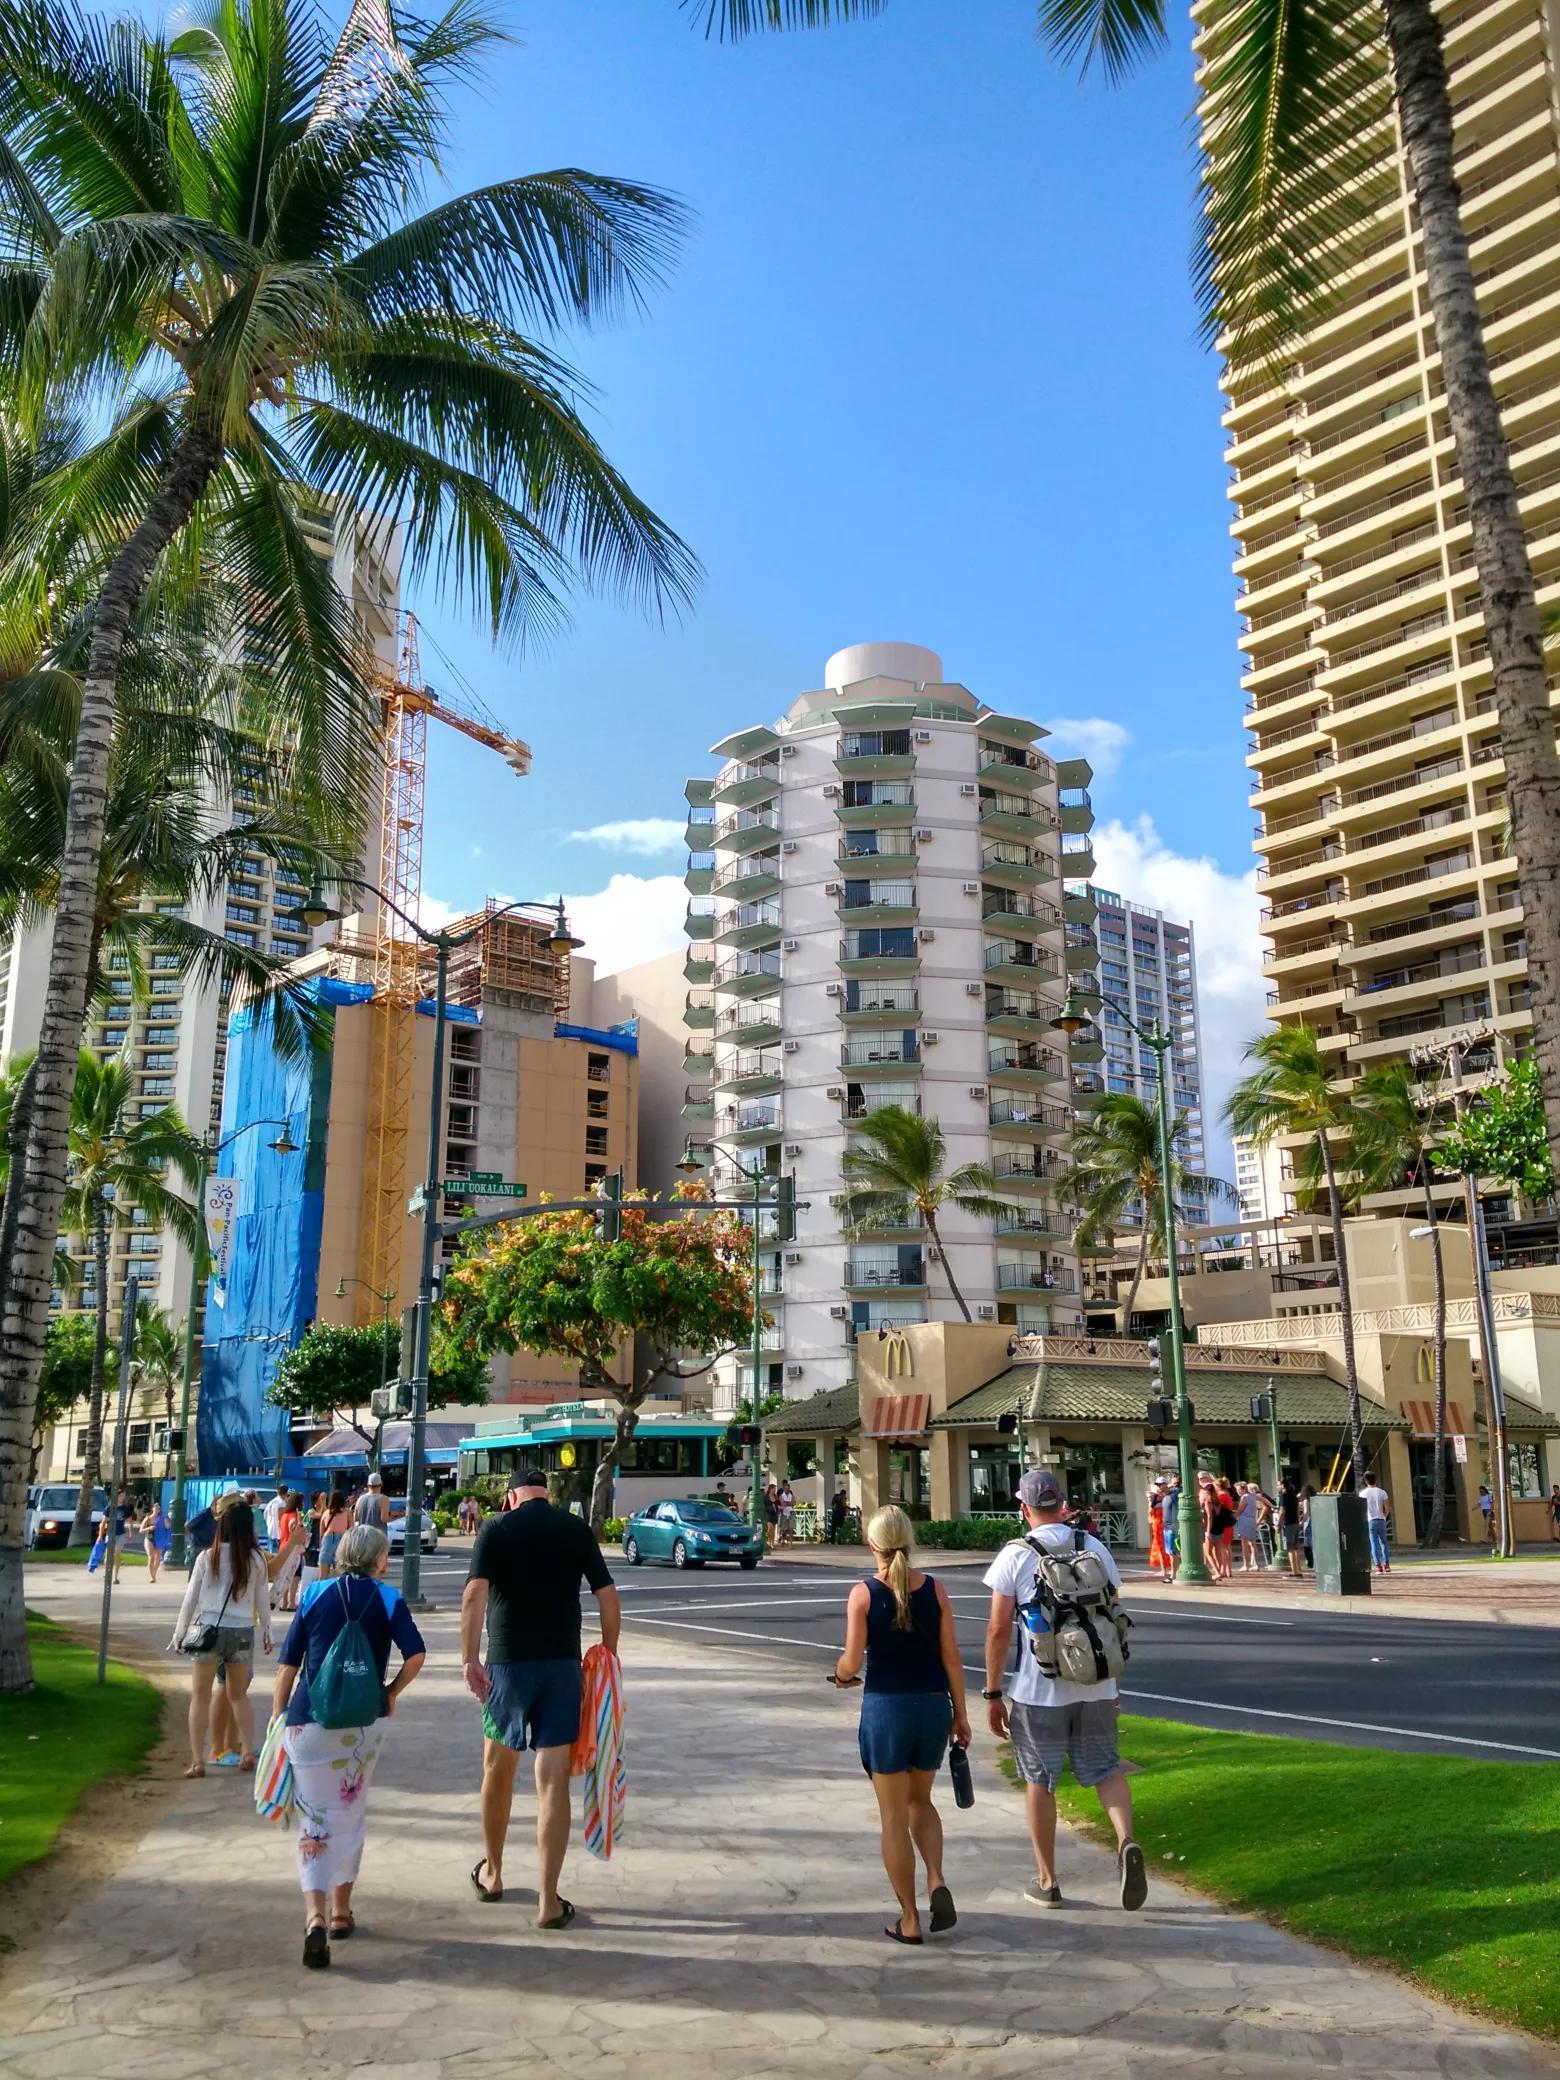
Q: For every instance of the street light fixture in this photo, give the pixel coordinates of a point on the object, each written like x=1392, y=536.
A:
x=1075, y=1014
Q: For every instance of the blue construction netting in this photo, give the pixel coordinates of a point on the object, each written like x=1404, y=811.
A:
x=271, y=1294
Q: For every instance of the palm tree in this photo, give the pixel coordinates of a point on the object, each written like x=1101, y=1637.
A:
x=206, y=235
x=1292, y=179
x=1293, y=1091
x=895, y=1175
x=158, y=1363
x=1396, y=1141
x=1115, y=1157
x=119, y=1156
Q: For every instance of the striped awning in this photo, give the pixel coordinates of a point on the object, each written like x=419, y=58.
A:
x=897, y=1415
x=1421, y=1419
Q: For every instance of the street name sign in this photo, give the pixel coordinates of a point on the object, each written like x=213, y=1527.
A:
x=482, y=1184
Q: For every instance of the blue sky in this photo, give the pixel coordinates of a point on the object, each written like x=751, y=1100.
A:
x=928, y=370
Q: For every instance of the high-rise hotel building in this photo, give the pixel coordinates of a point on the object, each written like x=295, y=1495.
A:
x=1377, y=782
x=886, y=899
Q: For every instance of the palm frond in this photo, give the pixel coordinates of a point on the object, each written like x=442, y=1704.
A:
x=731, y=21
x=1113, y=34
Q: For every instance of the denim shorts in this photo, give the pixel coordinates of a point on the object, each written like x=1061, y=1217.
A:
x=533, y=1704
x=900, y=1732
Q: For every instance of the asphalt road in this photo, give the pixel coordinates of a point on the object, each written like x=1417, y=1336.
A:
x=1414, y=1684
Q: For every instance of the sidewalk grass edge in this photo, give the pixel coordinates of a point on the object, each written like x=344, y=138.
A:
x=1442, y=1869
x=64, y=1736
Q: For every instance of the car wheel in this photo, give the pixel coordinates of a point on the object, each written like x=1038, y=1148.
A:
x=631, y=1552
x=749, y=1562
x=680, y=1554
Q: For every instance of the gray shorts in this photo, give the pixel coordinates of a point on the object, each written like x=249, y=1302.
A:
x=234, y=1649
x=1047, y=1735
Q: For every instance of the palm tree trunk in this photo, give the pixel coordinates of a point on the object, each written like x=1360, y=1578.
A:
x=1438, y=1493
x=1506, y=592
x=941, y=1255
x=1351, y=1377
x=168, y=1425
x=37, y=1184
x=1138, y=1270
x=92, y=1458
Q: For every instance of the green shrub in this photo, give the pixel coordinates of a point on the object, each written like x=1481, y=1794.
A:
x=970, y=1534
x=612, y=1530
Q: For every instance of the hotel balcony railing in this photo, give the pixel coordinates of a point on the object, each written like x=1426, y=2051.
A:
x=745, y=966
x=747, y=820
x=1421, y=971
x=750, y=1119
x=1013, y=1112
x=1461, y=863
x=1436, y=921
x=869, y=1273
x=999, y=902
x=994, y=754
x=875, y=794
x=1011, y=1277
x=862, y=1054
x=1440, y=819
x=1042, y=1163
x=884, y=996
x=858, y=1108
x=1442, y=769
x=1018, y=953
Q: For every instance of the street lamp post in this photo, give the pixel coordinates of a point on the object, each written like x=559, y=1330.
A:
x=207, y=1153
x=317, y=910
x=386, y=1301
x=1074, y=1015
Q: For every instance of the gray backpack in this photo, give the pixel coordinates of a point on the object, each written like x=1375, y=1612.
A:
x=1077, y=1628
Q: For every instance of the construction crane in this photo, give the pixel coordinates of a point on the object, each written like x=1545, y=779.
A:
x=408, y=703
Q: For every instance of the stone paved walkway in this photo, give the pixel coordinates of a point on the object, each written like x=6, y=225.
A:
x=736, y=1931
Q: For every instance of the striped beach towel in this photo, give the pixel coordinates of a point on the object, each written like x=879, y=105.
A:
x=598, y=1750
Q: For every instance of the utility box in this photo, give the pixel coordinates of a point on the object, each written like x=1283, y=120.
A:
x=1340, y=1545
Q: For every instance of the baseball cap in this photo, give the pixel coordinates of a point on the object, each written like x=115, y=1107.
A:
x=528, y=1476
x=1039, y=1488
x=376, y=1480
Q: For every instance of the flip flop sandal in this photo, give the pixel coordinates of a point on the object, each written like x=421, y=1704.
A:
x=248, y=1765
x=944, y=1913
x=560, y=1920
x=340, y=1930
x=230, y=1759
x=196, y=1769
x=316, y=1948
x=489, y=1896
x=896, y=1934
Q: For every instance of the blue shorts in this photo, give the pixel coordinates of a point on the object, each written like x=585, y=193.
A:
x=901, y=1732
x=533, y=1704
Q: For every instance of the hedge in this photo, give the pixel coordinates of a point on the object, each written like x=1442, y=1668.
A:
x=970, y=1534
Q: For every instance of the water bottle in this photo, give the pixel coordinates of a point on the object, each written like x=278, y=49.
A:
x=959, y=1771
x=1035, y=1621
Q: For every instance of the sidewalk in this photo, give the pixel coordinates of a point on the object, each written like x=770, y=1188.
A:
x=735, y=1931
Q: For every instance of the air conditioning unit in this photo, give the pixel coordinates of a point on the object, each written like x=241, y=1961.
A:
x=833, y=888
x=923, y=837
x=985, y=1310
x=974, y=989
x=923, y=736
x=789, y=845
x=830, y=791
x=789, y=945
x=840, y=1314
x=788, y=751
x=972, y=888
x=928, y=1039
x=793, y=1372
x=977, y=1090
x=924, y=936
x=793, y=1148
x=791, y=1046
x=834, y=989
x=968, y=787
x=835, y=1090
x=793, y=1256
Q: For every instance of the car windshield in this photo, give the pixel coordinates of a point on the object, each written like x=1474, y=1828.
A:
x=704, y=1513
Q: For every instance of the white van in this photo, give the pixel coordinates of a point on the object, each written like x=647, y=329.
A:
x=51, y=1511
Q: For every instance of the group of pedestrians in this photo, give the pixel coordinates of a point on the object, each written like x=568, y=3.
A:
x=779, y=1515
x=1265, y=1528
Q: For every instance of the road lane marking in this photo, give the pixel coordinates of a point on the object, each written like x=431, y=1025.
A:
x=1409, y=1733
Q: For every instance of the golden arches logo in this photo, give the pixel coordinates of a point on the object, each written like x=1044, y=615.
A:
x=1424, y=1366
x=898, y=1358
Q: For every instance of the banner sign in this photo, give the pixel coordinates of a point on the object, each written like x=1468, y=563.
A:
x=222, y=1208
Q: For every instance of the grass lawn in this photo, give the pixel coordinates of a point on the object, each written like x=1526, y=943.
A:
x=1446, y=1870
x=74, y=1556
x=64, y=1736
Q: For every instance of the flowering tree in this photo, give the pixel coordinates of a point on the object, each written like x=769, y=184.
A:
x=551, y=1284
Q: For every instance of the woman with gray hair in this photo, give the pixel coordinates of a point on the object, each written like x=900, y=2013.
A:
x=332, y=1764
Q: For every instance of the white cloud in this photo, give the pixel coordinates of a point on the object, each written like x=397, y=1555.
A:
x=1092, y=737
x=642, y=834
x=1134, y=860
x=635, y=918
x=433, y=914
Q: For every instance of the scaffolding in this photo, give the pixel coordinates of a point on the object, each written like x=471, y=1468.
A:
x=508, y=961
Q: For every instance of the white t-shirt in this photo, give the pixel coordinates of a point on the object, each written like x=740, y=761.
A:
x=1012, y=1573
x=273, y=1517
x=1377, y=1502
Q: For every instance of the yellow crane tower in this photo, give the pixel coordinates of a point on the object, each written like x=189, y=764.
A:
x=408, y=703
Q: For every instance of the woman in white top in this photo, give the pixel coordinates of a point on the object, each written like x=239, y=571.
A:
x=229, y=1596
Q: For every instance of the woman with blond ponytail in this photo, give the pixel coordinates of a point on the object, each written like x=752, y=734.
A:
x=900, y=1623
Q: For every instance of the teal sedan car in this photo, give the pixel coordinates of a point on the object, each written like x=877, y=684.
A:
x=689, y=1533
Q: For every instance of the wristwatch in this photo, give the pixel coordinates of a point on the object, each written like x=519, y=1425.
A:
x=990, y=1696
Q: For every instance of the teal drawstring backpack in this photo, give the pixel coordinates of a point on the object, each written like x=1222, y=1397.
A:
x=348, y=1690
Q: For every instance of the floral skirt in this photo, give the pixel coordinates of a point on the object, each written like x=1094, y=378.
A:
x=331, y=1769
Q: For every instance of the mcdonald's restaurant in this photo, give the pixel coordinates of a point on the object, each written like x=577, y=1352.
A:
x=944, y=1416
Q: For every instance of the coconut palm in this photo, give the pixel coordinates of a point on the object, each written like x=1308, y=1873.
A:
x=119, y=1158
x=1115, y=1169
x=1295, y=171
x=895, y=1174
x=1293, y=1091
x=208, y=236
x=158, y=1364
x=1396, y=1140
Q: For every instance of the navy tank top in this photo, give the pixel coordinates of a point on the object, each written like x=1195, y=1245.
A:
x=905, y=1664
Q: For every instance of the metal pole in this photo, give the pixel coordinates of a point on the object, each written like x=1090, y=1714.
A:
x=1500, y=1466
x=111, y=1515
x=1276, y=1560
x=758, y=1344
x=1188, y=1516
x=176, y=1552
x=411, y=1558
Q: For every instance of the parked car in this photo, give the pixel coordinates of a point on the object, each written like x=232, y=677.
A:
x=428, y=1542
x=689, y=1533
x=50, y=1510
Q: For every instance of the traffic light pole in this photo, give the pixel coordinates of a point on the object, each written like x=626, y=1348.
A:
x=757, y=1518
x=1277, y=1560
x=1190, y=1566
x=416, y=1456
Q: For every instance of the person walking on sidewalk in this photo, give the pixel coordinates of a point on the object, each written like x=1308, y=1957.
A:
x=1169, y=1512
x=332, y=1765
x=227, y=1602
x=1487, y=1512
x=371, y=1506
x=525, y=1575
x=1051, y=1721
x=1248, y=1520
x=159, y=1538
x=337, y=1523
x=900, y=1623
x=1289, y=1524
x=1554, y=1512
x=1378, y=1508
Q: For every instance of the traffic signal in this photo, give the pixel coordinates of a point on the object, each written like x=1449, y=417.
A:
x=1160, y=1413
x=609, y=1221
x=393, y=1400
x=749, y=1435
x=1007, y=1426
x=1261, y=1408
x=785, y=1207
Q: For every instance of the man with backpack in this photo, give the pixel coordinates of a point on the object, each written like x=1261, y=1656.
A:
x=1059, y=1701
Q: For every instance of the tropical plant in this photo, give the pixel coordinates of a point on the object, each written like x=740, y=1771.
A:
x=333, y=1368
x=157, y=1365
x=1115, y=1174
x=206, y=235
x=118, y=1158
x=65, y=1378
x=670, y=1285
x=1503, y=1135
x=895, y=1176
x=1397, y=1143
x=1293, y=1092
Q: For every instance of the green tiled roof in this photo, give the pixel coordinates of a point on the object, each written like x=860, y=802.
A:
x=838, y=1408
x=1052, y=1393
x=1523, y=1416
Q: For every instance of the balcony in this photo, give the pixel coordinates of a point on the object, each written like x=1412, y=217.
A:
x=751, y=1025
x=1014, y=1012
x=700, y=873
x=749, y=974
x=742, y=781
x=1027, y=1117
x=1086, y=1045
x=749, y=878
x=1038, y=1225
x=759, y=1122
x=698, y=961
x=699, y=1008
x=698, y=1101
x=872, y=852
x=1034, y=1167
x=1009, y=911
x=1077, y=810
x=872, y=803
x=1083, y=950
x=1079, y=906
x=749, y=925
x=1014, y=815
x=1012, y=767
x=1016, y=866
x=698, y=1057
x=857, y=1104
x=871, y=1274
x=1015, y=960
x=890, y=951
x=747, y=830
x=1023, y=1278
x=882, y=754
x=877, y=902
x=881, y=1054
x=750, y=1074
x=869, y=1003
x=701, y=822
x=699, y=923
x=1078, y=860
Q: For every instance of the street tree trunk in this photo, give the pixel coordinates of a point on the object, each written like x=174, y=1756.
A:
x=1438, y=1493
x=628, y=1400
x=37, y=1182
x=1351, y=1377
x=935, y=1238
x=92, y=1455
x=1506, y=591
